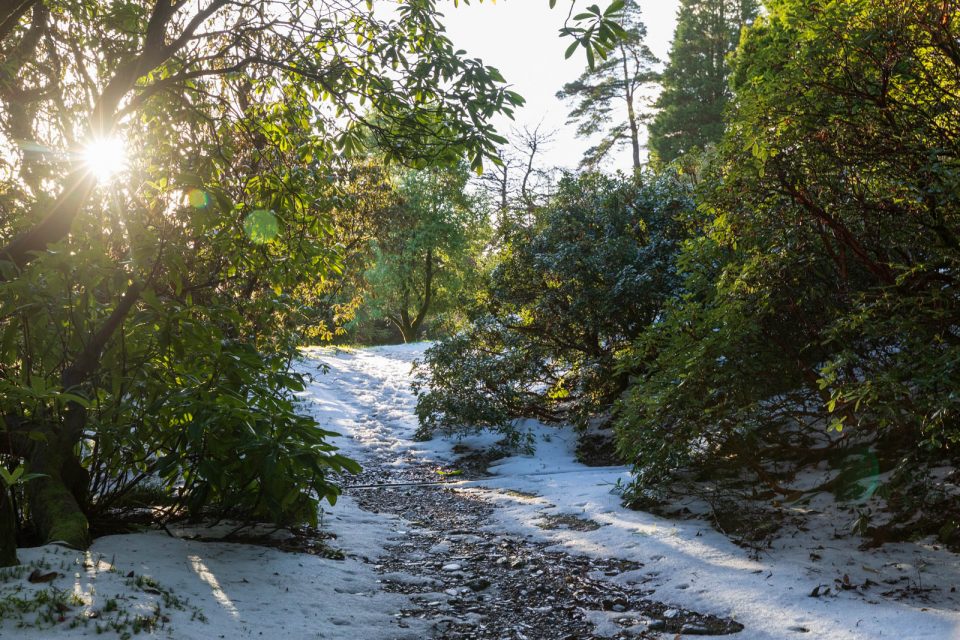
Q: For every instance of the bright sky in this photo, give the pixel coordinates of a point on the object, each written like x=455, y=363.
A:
x=520, y=38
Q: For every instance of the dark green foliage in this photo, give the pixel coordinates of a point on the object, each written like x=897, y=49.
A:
x=568, y=293
x=236, y=444
x=729, y=367
x=695, y=91
x=866, y=173
x=820, y=302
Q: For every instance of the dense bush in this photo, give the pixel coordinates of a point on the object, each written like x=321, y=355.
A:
x=568, y=292
x=820, y=305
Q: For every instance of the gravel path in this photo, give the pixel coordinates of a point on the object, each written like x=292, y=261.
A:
x=473, y=582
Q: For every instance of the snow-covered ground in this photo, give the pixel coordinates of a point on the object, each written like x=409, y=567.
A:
x=249, y=591
x=222, y=590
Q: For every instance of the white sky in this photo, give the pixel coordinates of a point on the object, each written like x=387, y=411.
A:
x=521, y=39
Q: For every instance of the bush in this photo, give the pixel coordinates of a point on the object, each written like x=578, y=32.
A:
x=568, y=292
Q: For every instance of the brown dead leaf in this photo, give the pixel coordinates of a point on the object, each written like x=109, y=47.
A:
x=38, y=577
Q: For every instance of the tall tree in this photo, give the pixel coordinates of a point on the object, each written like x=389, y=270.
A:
x=617, y=80
x=695, y=91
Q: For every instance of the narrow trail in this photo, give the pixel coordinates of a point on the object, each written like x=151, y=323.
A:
x=465, y=576
x=472, y=581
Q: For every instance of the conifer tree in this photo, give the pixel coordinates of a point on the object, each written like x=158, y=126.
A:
x=695, y=91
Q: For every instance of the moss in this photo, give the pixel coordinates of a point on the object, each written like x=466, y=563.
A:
x=57, y=514
x=53, y=507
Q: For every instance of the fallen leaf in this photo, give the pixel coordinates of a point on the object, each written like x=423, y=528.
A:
x=38, y=577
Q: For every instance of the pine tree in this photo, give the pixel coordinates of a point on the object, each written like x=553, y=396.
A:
x=619, y=77
x=695, y=91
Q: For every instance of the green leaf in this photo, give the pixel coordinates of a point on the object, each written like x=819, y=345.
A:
x=615, y=7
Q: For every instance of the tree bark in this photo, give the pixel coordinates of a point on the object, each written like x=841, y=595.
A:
x=631, y=113
x=11, y=11
x=54, y=227
x=54, y=508
x=8, y=531
x=427, y=297
x=408, y=333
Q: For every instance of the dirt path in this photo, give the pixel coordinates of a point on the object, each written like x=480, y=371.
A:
x=474, y=582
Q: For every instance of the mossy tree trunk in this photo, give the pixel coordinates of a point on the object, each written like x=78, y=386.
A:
x=55, y=498
x=57, y=492
x=8, y=531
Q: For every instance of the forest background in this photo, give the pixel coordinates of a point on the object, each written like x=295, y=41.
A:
x=770, y=288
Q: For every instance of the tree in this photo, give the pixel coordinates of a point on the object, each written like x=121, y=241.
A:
x=424, y=258
x=365, y=209
x=695, y=92
x=240, y=112
x=619, y=78
x=516, y=182
x=868, y=178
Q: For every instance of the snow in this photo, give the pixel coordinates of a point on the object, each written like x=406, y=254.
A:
x=243, y=591
x=691, y=565
x=250, y=591
x=687, y=562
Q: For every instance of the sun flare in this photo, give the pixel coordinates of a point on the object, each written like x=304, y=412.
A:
x=105, y=157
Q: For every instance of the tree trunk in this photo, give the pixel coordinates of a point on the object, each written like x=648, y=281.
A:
x=414, y=327
x=54, y=507
x=8, y=531
x=10, y=14
x=632, y=123
x=408, y=332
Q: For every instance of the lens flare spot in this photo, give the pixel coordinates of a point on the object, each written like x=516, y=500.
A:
x=198, y=199
x=859, y=477
x=261, y=226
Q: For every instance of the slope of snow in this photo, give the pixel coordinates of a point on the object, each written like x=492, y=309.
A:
x=687, y=562
x=226, y=590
